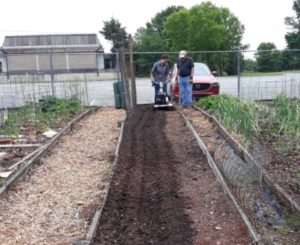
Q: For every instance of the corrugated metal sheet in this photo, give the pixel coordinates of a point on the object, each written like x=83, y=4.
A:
x=82, y=61
x=59, y=62
x=51, y=40
x=52, y=44
x=70, y=53
x=21, y=63
x=44, y=62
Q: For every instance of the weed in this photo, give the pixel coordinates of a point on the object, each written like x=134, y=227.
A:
x=48, y=112
x=107, y=169
x=282, y=230
x=111, y=157
x=2, y=182
x=280, y=121
x=237, y=115
x=293, y=221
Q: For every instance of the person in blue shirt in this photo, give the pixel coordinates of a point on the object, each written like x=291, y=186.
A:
x=160, y=73
x=185, y=73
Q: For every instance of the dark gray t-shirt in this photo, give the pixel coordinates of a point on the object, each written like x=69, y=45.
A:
x=160, y=72
x=185, y=67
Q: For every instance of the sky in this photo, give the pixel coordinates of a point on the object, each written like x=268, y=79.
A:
x=263, y=19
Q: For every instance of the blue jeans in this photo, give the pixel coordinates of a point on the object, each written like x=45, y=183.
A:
x=185, y=91
x=156, y=89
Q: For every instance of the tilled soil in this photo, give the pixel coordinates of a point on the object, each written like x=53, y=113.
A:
x=163, y=190
x=283, y=166
x=55, y=202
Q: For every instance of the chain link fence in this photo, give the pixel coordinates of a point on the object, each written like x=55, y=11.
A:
x=91, y=84
x=250, y=75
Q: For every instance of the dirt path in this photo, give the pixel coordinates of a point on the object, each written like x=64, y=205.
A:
x=54, y=203
x=163, y=191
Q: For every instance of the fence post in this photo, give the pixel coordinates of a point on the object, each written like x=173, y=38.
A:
x=118, y=67
x=7, y=71
x=125, y=82
x=97, y=64
x=239, y=73
x=132, y=73
x=52, y=75
x=86, y=90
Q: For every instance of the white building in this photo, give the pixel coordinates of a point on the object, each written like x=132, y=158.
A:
x=51, y=54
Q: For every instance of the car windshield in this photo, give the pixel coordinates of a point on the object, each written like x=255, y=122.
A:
x=201, y=69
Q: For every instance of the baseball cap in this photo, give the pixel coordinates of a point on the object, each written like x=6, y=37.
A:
x=182, y=53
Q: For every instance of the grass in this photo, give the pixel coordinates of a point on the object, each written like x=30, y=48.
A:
x=258, y=74
x=107, y=169
x=44, y=114
x=237, y=115
x=2, y=182
x=298, y=176
x=293, y=221
x=285, y=114
x=111, y=157
x=280, y=120
x=255, y=73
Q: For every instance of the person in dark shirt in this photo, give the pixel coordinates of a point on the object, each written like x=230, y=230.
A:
x=160, y=73
x=185, y=72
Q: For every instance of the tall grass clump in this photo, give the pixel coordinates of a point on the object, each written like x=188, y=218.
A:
x=285, y=115
x=235, y=114
x=48, y=112
x=278, y=121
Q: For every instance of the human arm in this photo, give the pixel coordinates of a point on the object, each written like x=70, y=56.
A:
x=177, y=72
x=192, y=71
x=152, y=73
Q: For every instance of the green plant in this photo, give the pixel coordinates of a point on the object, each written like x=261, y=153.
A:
x=285, y=115
x=293, y=221
x=238, y=115
x=48, y=112
x=107, y=169
x=282, y=230
x=2, y=182
x=111, y=157
x=279, y=121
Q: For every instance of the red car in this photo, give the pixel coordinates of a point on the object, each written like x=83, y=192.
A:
x=204, y=82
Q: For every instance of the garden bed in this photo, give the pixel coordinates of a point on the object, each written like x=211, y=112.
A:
x=270, y=131
x=245, y=122
x=163, y=190
x=57, y=199
x=25, y=130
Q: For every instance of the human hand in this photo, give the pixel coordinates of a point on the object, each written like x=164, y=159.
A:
x=191, y=80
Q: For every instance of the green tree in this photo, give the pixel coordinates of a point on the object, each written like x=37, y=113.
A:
x=114, y=32
x=293, y=37
x=206, y=27
x=268, y=59
x=158, y=22
x=146, y=40
x=250, y=65
x=152, y=38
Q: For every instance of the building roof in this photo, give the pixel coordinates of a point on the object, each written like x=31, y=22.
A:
x=52, y=43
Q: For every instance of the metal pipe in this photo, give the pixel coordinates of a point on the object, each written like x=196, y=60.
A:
x=239, y=73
